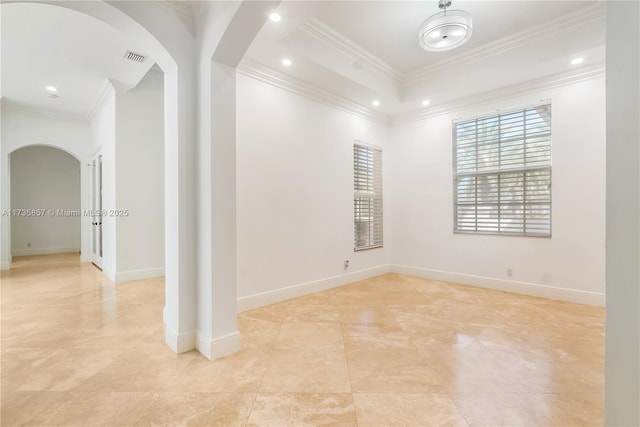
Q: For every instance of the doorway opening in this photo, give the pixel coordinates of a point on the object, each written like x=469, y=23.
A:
x=45, y=201
x=79, y=96
x=96, y=210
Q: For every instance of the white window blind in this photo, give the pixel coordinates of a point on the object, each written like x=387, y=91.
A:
x=367, y=199
x=502, y=173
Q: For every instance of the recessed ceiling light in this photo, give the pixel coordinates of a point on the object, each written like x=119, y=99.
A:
x=286, y=62
x=577, y=61
x=275, y=17
x=426, y=102
x=375, y=103
x=51, y=88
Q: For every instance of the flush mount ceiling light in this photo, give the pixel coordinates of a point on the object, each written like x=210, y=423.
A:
x=286, y=62
x=445, y=30
x=375, y=103
x=577, y=61
x=51, y=89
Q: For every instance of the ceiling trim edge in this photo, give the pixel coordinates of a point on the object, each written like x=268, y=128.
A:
x=17, y=107
x=557, y=25
x=104, y=91
x=280, y=80
x=322, y=31
x=531, y=86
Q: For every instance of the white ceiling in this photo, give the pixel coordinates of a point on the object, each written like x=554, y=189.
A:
x=389, y=29
x=48, y=45
x=366, y=50
x=351, y=51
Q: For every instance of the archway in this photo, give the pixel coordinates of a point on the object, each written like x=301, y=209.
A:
x=45, y=176
x=173, y=51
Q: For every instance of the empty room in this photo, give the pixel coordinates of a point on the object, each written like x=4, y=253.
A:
x=313, y=213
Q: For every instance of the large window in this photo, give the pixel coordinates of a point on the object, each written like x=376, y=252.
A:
x=367, y=197
x=502, y=173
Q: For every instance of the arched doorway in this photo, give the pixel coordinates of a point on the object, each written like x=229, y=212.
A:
x=45, y=196
x=172, y=51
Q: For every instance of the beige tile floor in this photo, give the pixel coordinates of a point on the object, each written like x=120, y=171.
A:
x=392, y=350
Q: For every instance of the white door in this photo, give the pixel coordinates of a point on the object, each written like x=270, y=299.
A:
x=96, y=208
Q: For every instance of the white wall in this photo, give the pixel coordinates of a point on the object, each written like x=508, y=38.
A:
x=570, y=265
x=140, y=179
x=22, y=127
x=128, y=129
x=5, y=201
x=622, y=361
x=295, y=193
x=45, y=178
x=103, y=141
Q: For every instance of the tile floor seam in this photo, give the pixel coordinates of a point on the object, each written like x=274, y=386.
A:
x=346, y=358
x=452, y=399
x=35, y=414
x=259, y=389
x=351, y=393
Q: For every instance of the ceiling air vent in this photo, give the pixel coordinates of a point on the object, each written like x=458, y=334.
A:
x=135, y=57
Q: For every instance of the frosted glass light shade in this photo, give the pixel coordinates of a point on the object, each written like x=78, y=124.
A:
x=445, y=30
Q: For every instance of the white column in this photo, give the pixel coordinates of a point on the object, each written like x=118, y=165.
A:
x=5, y=204
x=217, y=332
x=5, y=219
x=180, y=281
x=622, y=362
x=226, y=33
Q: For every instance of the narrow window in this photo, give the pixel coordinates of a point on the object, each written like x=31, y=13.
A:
x=367, y=197
x=502, y=173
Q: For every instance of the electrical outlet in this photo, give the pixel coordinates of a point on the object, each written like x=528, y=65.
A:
x=346, y=264
x=509, y=272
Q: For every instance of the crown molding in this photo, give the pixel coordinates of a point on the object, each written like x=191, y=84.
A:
x=590, y=15
x=322, y=31
x=106, y=88
x=278, y=79
x=519, y=89
x=17, y=107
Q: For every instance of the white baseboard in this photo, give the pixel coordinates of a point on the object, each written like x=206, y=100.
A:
x=43, y=251
x=5, y=265
x=147, y=273
x=211, y=348
x=180, y=343
x=534, y=289
x=111, y=275
x=259, y=300
x=215, y=348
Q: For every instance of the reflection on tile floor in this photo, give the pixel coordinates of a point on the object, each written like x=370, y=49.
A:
x=392, y=350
